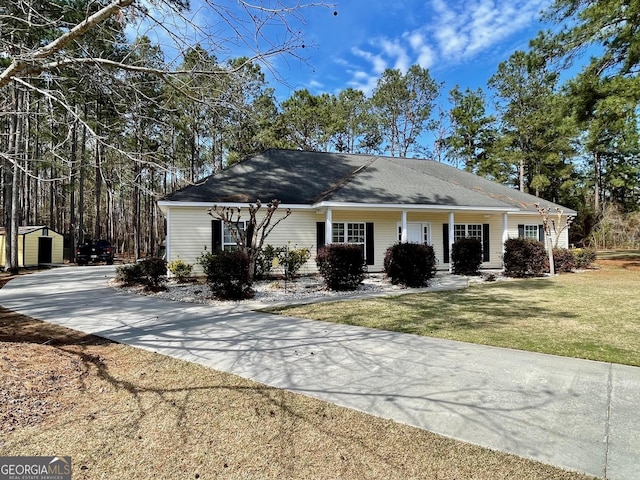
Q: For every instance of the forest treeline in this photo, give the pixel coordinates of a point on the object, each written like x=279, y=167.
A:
x=96, y=126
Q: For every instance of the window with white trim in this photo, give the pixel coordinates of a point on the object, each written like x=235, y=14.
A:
x=531, y=231
x=349, y=232
x=228, y=240
x=467, y=231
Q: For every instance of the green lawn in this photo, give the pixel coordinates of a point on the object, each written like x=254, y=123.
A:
x=593, y=315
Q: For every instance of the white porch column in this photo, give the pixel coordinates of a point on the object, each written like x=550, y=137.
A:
x=404, y=235
x=328, y=228
x=505, y=230
x=505, y=234
x=451, y=234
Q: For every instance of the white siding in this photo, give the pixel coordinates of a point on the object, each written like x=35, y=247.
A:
x=515, y=220
x=190, y=232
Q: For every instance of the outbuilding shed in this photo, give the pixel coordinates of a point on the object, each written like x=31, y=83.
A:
x=37, y=245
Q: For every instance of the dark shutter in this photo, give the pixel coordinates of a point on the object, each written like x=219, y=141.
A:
x=520, y=231
x=216, y=235
x=445, y=242
x=368, y=248
x=249, y=235
x=541, y=233
x=486, y=253
x=321, y=229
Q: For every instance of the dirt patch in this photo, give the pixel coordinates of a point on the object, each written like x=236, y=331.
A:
x=37, y=362
x=630, y=263
x=28, y=392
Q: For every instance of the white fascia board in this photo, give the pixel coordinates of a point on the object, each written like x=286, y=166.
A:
x=552, y=213
x=403, y=206
x=164, y=204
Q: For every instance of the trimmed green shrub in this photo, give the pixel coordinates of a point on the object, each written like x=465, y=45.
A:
x=563, y=260
x=341, y=265
x=524, y=257
x=292, y=260
x=180, y=270
x=150, y=272
x=410, y=264
x=264, y=264
x=466, y=256
x=129, y=274
x=227, y=274
x=584, y=257
x=154, y=272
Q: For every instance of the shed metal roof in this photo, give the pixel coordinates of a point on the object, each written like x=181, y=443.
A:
x=25, y=230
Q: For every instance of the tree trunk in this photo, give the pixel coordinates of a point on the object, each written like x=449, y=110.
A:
x=97, y=191
x=596, y=183
x=15, y=134
x=79, y=232
x=73, y=170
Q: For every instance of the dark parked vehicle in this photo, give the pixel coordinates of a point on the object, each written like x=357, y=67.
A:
x=94, y=251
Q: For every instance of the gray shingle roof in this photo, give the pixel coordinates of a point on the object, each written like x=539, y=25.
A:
x=311, y=178
x=25, y=230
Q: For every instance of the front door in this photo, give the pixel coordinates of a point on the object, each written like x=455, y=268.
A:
x=418, y=233
x=414, y=233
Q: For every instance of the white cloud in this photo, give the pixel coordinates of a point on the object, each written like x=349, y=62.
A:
x=451, y=33
x=465, y=29
x=366, y=82
x=394, y=50
x=378, y=63
x=315, y=85
x=425, y=55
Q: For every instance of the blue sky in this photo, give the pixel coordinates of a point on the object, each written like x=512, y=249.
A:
x=460, y=42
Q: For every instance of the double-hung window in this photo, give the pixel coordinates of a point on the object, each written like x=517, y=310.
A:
x=531, y=231
x=349, y=232
x=467, y=231
x=228, y=239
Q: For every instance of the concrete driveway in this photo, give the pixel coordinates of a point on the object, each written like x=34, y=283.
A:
x=576, y=414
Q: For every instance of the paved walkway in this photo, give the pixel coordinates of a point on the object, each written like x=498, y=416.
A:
x=576, y=414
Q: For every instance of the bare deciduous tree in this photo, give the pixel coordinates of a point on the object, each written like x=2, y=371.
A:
x=53, y=53
x=553, y=227
x=250, y=239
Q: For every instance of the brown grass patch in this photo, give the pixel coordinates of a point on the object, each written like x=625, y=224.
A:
x=630, y=263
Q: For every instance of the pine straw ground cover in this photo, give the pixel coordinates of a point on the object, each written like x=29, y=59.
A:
x=125, y=413
x=591, y=314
